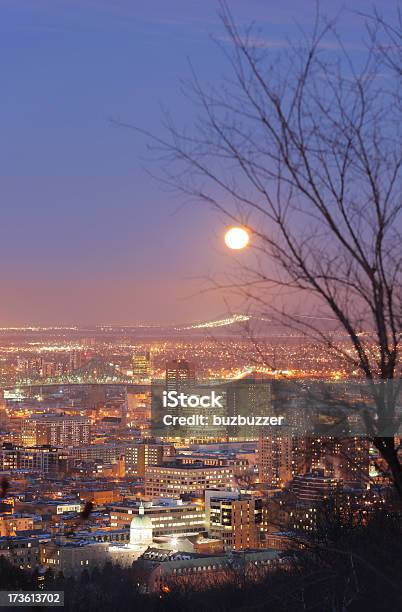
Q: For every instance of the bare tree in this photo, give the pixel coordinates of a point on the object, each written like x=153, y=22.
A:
x=303, y=147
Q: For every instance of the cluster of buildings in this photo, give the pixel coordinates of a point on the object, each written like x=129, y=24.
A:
x=81, y=488
x=50, y=366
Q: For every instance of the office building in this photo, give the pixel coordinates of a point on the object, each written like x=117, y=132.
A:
x=142, y=365
x=139, y=456
x=170, y=517
x=249, y=396
x=275, y=459
x=174, y=480
x=314, y=487
x=40, y=459
x=56, y=430
x=180, y=375
x=236, y=520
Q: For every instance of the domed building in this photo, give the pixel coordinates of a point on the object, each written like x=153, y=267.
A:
x=140, y=540
x=141, y=529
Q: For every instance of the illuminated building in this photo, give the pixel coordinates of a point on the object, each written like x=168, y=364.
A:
x=275, y=459
x=88, y=342
x=156, y=569
x=174, y=480
x=11, y=524
x=50, y=508
x=75, y=360
x=106, y=453
x=239, y=465
x=50, y=369
x=360, y=503
x=42, y=459
x=31, y=367
x=302, y=518
x=138, y=408
x=142, y=365
x=344, y=458
x=8, y=457
x=99, y=495
x=57, y=430
x=70, y=557
x=235, y=521
x=115, y=469
x=141, y=538
x=249, y=396
x=4, y=420
x=139, y=456
x=85, y=552
x=314, y=487
x=180, y=375
x=169, y=517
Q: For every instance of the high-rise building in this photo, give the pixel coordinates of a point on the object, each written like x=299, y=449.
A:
x=142, y=365
x=75, y=360
x=139, y=456
x=249, y=396
x=56, y=430
x=30, y=366
x=235, y=521
x=180, y=375
x=275, y=459
x=353, y=466
x=4, y=420
x=344, y=458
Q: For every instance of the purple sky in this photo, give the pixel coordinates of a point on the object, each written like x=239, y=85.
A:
x=85, y=234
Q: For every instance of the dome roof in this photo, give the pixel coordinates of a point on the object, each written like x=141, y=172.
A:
x=141, y=528
x=141, y=522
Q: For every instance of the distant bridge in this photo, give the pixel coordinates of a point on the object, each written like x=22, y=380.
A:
x=95, y=372
x=38, y=386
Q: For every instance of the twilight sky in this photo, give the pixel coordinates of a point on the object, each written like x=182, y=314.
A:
x=86, y=235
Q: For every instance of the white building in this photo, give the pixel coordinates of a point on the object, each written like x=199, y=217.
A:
x=72, y=557
x=141, y=538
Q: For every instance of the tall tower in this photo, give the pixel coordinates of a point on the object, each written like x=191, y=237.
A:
x=142, y=365
x=275, y=459
x=251, y=395
x=3, y=412
x=180, y=375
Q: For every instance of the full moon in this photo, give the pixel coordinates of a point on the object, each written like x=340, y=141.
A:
x=236, y=238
